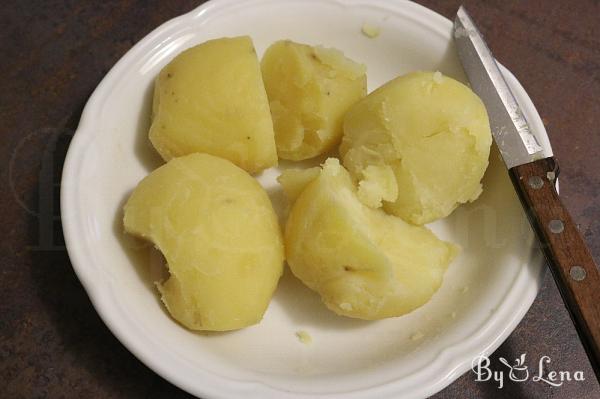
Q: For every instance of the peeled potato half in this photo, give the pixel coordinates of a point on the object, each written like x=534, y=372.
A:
x=310, y=88
x=217, y=230
x=363, y=262
x=211, y=98
x=429, y=132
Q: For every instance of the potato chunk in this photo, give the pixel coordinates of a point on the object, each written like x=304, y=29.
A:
x=363, y=262
x=220, y=237
x=211, y=99
x=432, y=132
x=309, y=89
x=293, y=181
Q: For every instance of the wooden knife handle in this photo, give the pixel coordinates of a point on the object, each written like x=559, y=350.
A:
x=568, y=257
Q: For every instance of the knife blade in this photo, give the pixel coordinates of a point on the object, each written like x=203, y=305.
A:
x=533, y=177
x=511, y=131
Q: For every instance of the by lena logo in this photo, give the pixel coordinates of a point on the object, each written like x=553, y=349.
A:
x=519, y=372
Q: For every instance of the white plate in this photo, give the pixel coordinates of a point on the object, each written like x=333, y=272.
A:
x=485, y=293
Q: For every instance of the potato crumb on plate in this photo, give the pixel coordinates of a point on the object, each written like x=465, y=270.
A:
x=304, y=337
x=371, y=31
x=417, y=336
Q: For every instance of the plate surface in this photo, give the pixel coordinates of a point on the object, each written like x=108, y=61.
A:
x=485, y=293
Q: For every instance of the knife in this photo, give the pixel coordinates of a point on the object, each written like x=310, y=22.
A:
x=534, y=177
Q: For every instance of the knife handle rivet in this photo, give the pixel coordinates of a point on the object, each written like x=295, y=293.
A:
x=535, y=182
x=556, y=226
x=577, y=273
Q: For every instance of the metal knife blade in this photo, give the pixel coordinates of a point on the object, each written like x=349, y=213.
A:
x=533, y=176
x=510, y=129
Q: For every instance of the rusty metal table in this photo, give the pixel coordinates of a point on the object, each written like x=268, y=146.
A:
x=54, y=53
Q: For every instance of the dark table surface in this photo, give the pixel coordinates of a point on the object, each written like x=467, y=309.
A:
x=54, y=53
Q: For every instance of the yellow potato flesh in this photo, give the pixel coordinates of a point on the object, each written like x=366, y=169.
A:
x=309, y=90
x=432, y=131
x=293, y=181
x=363, y=262
x=211, y=99
x=219, y=235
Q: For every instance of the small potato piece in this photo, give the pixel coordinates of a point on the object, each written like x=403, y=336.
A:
x=293, y=181
x=378, y=183
x=363, y=262
x=309, y=89
x=432, y=131
x=220, y=237
x=211, y=99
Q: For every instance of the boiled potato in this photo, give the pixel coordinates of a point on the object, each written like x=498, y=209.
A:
x=211, y=99
x=219, y=235
x=293, y=181
x=432, y=132
x=363, y=262
x=309, y=89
